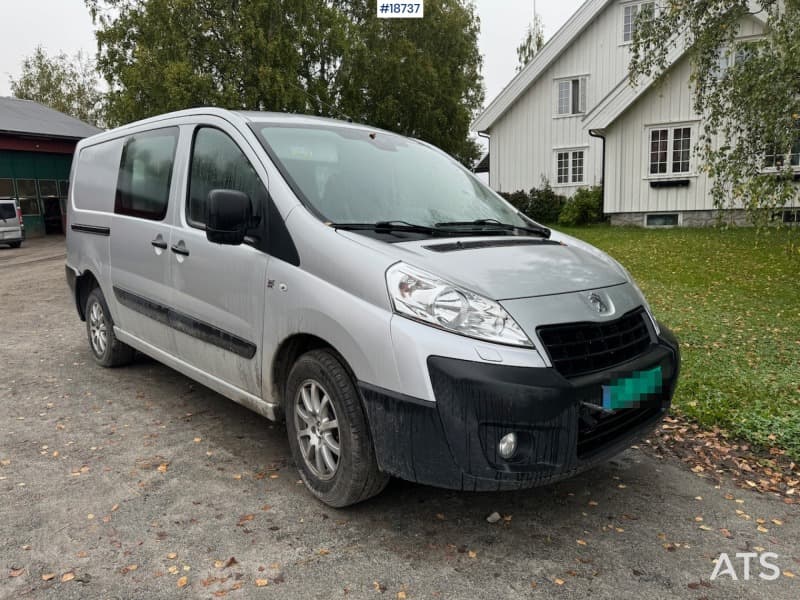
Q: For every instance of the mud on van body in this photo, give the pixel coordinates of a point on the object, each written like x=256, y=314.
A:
x=404, y=319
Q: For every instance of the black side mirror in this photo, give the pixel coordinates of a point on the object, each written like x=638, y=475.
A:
x=230, y=214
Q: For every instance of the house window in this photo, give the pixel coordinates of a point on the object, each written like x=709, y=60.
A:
x=571, y=96
x=570, y=166
x=670, y=150
x=663, y=220
x=773, y=159
x=727, y=58
x=630, y=12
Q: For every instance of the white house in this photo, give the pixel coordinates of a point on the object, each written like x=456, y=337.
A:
x=572, y=117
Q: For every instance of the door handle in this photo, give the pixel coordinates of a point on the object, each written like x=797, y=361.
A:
x=159, y=243
x=180, y=250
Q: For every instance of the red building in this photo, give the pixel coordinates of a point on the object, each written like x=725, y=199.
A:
x=36, y=147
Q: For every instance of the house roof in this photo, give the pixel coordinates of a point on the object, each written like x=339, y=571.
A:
x=539, y=64
x=30, y=118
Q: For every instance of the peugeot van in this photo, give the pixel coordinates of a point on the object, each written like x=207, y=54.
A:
x=401, y=317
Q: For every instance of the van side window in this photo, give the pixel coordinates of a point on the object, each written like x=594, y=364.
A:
x=218, y=163
x=145, y=173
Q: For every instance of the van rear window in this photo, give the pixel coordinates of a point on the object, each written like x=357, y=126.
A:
x=8, y=210
x=145, y=174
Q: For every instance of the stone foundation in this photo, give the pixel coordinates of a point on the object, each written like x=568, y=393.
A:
x=690, y=218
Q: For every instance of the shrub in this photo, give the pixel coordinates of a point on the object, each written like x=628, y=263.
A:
x=540, y=204
x=585, y=207
x=545, y=205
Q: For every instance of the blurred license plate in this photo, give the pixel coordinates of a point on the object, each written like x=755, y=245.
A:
x=632, y=390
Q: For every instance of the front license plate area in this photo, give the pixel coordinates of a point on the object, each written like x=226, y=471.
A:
x=632, y=390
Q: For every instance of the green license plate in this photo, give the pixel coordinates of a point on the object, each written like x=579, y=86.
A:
x=628, y=392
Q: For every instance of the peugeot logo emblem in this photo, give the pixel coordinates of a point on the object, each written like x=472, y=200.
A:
x=596, y=302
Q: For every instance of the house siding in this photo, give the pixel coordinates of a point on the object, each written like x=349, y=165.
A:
x=523, y=139
x=668, y=103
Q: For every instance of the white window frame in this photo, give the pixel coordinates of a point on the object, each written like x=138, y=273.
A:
x=570, y=151
x=623, y=7
x=670, y=127
x=731, y=58
x=583, y=85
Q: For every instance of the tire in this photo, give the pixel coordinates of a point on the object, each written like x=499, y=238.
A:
x=322, y=389
x=105, y=348
x=15, y=244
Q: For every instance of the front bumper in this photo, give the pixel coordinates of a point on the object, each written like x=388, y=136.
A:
x=452, y=443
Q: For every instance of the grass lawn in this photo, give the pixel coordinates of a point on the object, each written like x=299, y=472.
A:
x=733, y=299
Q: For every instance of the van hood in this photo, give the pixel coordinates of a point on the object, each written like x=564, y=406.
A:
x=503, y=268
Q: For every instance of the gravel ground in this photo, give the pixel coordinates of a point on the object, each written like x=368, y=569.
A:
x=139, y=483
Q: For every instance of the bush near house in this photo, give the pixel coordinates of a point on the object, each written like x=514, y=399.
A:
x=544, y=205
x=584, y=208
x=730, y=295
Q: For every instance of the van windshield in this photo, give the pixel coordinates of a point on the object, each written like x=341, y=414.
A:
x=352, y=175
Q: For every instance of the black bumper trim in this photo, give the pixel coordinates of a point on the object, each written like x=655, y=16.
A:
x=452, y=442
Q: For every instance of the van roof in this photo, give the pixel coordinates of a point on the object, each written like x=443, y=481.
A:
x=234, y=116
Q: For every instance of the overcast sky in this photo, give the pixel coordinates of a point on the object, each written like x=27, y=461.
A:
x=65, y=25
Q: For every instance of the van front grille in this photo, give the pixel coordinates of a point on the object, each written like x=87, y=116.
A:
x=581, y=348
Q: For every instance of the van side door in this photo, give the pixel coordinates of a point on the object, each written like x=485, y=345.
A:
x=220, y=289
x=140, y=236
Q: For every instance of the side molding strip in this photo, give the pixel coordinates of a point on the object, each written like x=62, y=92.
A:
x=186, y=324
x=92, y=229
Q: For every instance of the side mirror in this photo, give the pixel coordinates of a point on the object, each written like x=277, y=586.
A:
x=230, y=214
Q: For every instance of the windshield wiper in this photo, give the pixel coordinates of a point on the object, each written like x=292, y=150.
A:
x=389, y=227
x=495, y=224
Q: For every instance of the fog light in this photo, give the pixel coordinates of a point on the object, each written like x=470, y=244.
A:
x=507, y=445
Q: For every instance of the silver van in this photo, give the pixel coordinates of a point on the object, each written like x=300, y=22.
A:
x=12, y=231
x=400, y=316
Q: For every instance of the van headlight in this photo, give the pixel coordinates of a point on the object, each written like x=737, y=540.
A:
x=424, y=297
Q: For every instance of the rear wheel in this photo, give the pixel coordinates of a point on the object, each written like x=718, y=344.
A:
x=328, y=432
x=106, y=349
x=15, y=244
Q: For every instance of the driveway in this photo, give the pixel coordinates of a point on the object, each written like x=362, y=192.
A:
x=139, y=483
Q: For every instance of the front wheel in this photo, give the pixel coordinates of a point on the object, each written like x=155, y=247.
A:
x=328, y=432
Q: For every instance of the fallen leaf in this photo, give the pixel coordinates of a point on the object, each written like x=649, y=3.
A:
x=115, y=508
x=472, y=554
x=90, y=516
x=440, y=516
x=558, y=581
x=726, y=533
x=183, y=581
x=68, y=576
x=266, y=507
x=162, y=468
x=172, y=555
x=581, y=542
x=16, y=572
x=762, y=529
x=592, y=503
x=378, y=587
x=261, y=582
x=401, y=595
x=197, y=440
x=244, y=519
x=48, y=576
x=324, y=551
x=777, y=522
x=173, y=570
x=705, y=527
x=788, y=574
